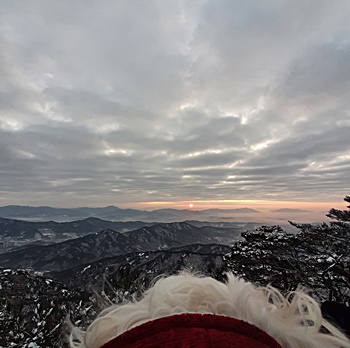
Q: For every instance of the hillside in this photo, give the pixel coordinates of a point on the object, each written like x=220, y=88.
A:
x=73, y=252
x=139, y=268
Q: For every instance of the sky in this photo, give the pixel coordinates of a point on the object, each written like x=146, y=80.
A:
x=153, y=104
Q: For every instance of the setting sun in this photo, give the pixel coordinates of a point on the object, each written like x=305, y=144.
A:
x=190, y=205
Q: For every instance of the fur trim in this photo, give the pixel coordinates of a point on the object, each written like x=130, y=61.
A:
x=293, y=321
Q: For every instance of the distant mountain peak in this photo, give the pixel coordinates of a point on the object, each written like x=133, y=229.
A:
x=92, y=219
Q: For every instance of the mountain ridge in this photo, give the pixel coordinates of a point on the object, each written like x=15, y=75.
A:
x=92, y=247
x=22, y=229
x=112, y=213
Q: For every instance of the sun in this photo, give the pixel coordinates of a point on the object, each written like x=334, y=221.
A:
x=190, y=205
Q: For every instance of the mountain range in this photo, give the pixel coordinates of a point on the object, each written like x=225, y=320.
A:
x=95, y=246
x=54, y=269
x=20, y=229
x=114, y=213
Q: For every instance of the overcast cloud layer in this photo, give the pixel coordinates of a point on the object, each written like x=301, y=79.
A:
x=111, y=102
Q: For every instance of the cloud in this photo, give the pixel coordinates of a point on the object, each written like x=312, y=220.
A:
x=126, y=102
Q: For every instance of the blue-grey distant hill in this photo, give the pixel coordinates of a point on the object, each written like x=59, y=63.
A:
x=114, y=213
x=50, y=213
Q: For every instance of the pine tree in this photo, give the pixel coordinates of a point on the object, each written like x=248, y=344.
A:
x=342, y=217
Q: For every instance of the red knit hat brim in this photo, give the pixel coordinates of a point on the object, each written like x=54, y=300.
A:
x=194, y=330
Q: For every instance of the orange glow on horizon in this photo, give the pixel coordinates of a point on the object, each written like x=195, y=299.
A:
x=305, y=211
x=239, y=203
